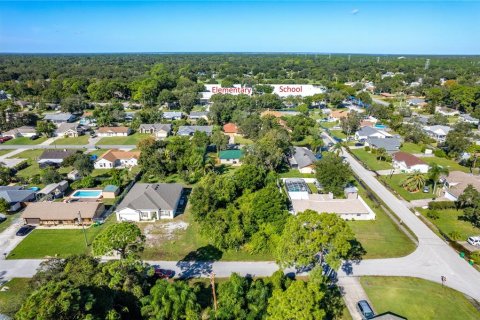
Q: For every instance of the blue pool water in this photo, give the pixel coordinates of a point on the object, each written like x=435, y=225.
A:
x=380, y=126
x=87, y=194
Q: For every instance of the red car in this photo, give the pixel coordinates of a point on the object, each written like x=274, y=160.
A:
x=163, y=273
x=5, y=139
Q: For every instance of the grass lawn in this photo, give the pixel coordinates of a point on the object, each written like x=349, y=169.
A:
x=448, y=221
x=329, y=124
x=80, y=140
x=411, y=147
x=10, y=217
x=12, y=299
x=395, y=182
x=31, y=154
x=55, y=242
x=25, y=141
x=370, y=160
x=444, y=162
x=417, y=299
x=5, y=151
x=164, y=245
x=98, y=152
x=381, y=237
x=242, y=140
x=132, y=139
x=294, y=173
x=338, y=133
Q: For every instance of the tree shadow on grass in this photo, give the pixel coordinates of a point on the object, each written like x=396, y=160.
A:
x=355, y=255
x=199, y=262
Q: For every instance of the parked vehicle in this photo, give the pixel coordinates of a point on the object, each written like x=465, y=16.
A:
x=24, y=230
x=3, y=217
x=164, y=273
x=5, y=139
x=426, y=189
x=365, y=309
x=34, y=137
x=474, y=241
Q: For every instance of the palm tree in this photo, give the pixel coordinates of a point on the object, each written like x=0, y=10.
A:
x=414, y=182
x=337, y=148
x=434, y=173
x=316, y=144
x=382, y=154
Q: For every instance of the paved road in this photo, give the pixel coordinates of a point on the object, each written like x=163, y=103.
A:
x=383, y=103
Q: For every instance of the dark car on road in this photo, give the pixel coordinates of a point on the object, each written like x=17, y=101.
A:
x=24, y=230
x=163, y=273
x=34, y=137
x=365, y=309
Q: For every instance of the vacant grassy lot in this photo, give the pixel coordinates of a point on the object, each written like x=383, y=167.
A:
x=411, y=147
x=380, y=238
x=370, y=160
x=81, y=140
x=132, y=139
x=448, y=221
x=12, y=299
x=417, y=299
x=55, y=242
x=25, y=141
x=444, y=162
x=395, y=182
x=242, y=140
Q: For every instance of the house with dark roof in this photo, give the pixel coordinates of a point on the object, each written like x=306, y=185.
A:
x=302, y=159
x=190, y=130
x=55, y=156
x=59, y=118
x=16, y=196
x=391, y=145
x=150, y=202
x=158, y=130
x=407, y=162
x=369, y=132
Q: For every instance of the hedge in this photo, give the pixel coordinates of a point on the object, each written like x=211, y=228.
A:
x=440, y=205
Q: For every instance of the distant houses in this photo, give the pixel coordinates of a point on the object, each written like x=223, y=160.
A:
x=172, y=115
x=195, y=115
x=158, y=130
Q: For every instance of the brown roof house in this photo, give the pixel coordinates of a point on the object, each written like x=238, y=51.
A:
x=113, y=131
x=456, y=182
x=62, y=213
x=407, y=162
x=116, y=158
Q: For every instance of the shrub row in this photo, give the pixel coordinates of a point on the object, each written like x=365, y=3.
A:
x=440, y=205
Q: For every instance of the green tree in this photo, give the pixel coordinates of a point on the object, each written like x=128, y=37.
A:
x=219, y=139
x=351, y=123
x=46, y=128
x=125, y=238
x=4, y=205
x=83, y=165
x=309, y=235
x=414, y=182
x=333, y=173
x=434, y=173
x=50, y=175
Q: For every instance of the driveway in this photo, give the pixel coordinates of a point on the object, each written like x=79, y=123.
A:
x=352, y=292
x=8, y=239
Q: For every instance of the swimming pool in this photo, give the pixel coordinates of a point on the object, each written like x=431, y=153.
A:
x=92, y=194
x=380, y=126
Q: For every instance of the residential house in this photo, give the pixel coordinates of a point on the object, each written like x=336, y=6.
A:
x=69, y=130
x=456, y=182
x=62, y=213
x=407, y=162
x=16, y=196
x=447, y=111
x=369, y=132
x=54, y=156
x=110, y=191
x=116, y=158
x=437, y=132
x=351, y=208
x=190, y=130
x=232, y=157
x=113, y=131
x=150, y=202
x=391, y=145
x=465, y=117
x=230, y=129
x=158, y=130
x=302, y=159
x=22, y=104
x=24, y=131
x=172, y=115
x=73, y=175
x=417, y=102
x=195, y=115
x=59, y=118
x=337, y=115
x=53, y=191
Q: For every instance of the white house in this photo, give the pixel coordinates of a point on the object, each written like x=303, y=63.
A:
x=113, y=131
x=437, y=132
x=70, y=130
x=407, y=162
x=158, y=130
x=150, y=202
x=369, y=132
x=115, y=158
x=24, y=131
x=456, y=182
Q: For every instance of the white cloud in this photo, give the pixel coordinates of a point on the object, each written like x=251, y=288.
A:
x=355, y=11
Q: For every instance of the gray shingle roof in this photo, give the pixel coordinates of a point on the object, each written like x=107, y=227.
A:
x=163, y=196
x=367, y=131
x=172, y=114
x=156, y=127
x=389, y=144
x=64, y=127
x=302, y=157
x=58, y=116
x=190, y=130
x=13, y=196
x=56, y=154
x=198, y=114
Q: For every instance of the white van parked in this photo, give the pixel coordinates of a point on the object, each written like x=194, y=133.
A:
x=474, y=241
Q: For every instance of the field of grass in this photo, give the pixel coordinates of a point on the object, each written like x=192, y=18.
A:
x=448, y=221
x=242, y=140
x=10, y=217
x=380, y=238
x=411, y=147
x=329, y=124
x=41, y=243
x=80, y=140
x=417, y=299
x=5, y=151
x=98, y=152
x=132, y=139
x=32, y=154
x=444, y=162
x=395, y=182
x=370, y=160
x=294, y=173
x=12, y=299
x=338, y=133
x=25, y=141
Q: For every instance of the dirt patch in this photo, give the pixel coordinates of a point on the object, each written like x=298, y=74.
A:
x=163, y=231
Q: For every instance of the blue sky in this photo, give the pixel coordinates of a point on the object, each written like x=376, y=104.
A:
x=407, y=27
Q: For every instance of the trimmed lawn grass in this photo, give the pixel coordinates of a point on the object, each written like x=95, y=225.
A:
x=12, y=299
x=32, y=154
x=338, y=133
x=25, y=141
x=294, y=173
x=395, y=182
x=381, y=238
x=370, y=160
x=411, y=147
x=5, y=151
x=132, y=139
x=41, y=243
x=448, y=221
x=10, y=217
x=98, y=152
x=81, y=140
x=417, y=299
x=444, y=162
x=242, y=140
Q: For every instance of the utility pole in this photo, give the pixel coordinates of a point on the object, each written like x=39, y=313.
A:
x=83, y=227
x=212, y=282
